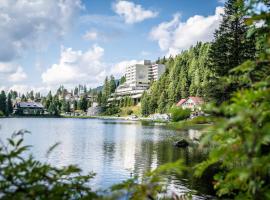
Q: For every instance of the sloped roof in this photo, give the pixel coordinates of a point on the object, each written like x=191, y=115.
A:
x=29, y=105
x=181, y=102
x=196, y=100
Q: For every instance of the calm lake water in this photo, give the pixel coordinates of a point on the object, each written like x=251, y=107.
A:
x=113, y=149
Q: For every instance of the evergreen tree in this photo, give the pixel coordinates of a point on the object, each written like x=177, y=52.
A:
x=230, y=48
x=9, y=105
x=3, y=103
x=75, y=105
x=83, y=103
x=122, y=80
x=23, y=98
x=112, y=84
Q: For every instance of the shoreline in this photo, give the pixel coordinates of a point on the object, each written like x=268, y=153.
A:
x=181, y=125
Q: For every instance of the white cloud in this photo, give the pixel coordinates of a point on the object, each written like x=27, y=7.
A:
x=175, y=35
x=23, y=89
x=222, y=1
x=33, y=24
x=90, y=35
x=18, y=76
x=132, y=13
x=11, y=72
x=77, y=67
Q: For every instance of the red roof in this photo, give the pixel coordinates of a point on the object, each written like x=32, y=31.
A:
x=196, y=100
x=180, y=102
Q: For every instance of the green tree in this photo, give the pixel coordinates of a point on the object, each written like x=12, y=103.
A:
x=112, y=84
x=3, y=102
x=83, y=103
x=122, y=79
x=23, y=98
x=230, y=48
x=9, y=105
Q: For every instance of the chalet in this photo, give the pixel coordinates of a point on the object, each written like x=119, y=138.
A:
x=28, y=108
x=192, y=103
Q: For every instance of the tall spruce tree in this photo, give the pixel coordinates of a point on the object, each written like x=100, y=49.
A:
x=3, y=103
x=230, y=48
x=112, y=84
x=9, y=104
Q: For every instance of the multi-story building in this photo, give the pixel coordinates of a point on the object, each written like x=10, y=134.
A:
x=138, y=78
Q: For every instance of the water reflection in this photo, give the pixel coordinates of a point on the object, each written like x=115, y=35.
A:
x=113, y=149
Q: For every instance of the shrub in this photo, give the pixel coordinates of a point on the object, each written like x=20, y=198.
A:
x=129, y=112
x=112, y=110
x=178, y=113
x=26, y=178
x=1, y=114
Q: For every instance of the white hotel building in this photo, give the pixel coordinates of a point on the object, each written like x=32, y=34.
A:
x=138, y=78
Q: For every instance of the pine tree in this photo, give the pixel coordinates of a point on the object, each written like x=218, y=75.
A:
x=3, y=103
x=112, y=84
x=230, y=48
x=9, y=105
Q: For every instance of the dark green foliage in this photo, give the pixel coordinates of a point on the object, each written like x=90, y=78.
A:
x=122, y=80
x=240, y=138
x=130, y=112
x=9, y=105
x=231, y=47
x=112, y=84
x=178, y=114
x=3, y=103
x=83, y=103
x=112, y=110
x=23, y=177
x=185, y=75
x=65, y=106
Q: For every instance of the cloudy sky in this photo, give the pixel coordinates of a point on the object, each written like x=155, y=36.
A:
x=45, y=43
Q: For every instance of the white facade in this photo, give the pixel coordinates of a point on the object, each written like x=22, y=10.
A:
x=155, y=71
x=138, y=78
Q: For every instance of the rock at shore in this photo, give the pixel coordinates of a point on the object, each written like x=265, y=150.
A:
x=181, y=143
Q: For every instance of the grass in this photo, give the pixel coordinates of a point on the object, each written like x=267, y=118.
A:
x=136, y=110
x=197, y=123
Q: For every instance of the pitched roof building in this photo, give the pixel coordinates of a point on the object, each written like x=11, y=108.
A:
x=193, y=103
x=28, y=108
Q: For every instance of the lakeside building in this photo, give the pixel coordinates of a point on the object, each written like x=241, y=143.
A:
x=192, y=103
x=138, y=78
x=28, y=108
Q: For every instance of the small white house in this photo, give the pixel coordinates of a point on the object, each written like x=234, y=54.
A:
x=192, y=103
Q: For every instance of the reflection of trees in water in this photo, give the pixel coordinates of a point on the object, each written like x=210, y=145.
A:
x=162, y=152
x=108, y=150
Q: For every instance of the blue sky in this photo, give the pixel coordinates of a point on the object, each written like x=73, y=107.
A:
x=46, y=43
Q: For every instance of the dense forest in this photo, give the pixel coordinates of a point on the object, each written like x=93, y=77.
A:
x=204, y=69
x=186, y=75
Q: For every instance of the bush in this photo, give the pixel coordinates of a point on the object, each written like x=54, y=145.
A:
x=1, y=114
x=129, y=112
x=113, y=110
x=178, y=113
x=26, y=178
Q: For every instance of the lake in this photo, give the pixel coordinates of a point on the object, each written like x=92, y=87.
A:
x=114, y=149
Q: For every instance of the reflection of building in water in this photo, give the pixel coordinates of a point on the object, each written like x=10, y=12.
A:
x=129, y=147
x=156, y=137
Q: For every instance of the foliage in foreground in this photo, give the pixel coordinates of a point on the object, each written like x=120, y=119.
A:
x=178, y=114
x=26, y=178
x=241, y=139
x=22, y=177
x=241, y=136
